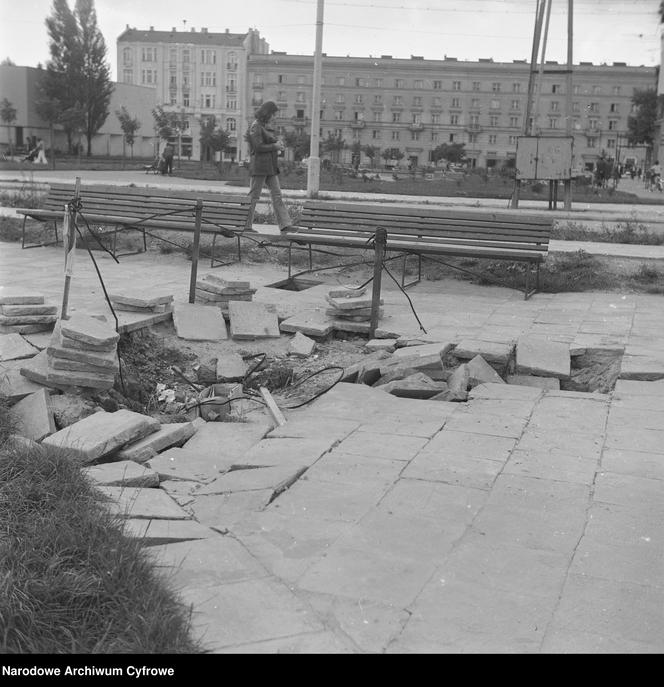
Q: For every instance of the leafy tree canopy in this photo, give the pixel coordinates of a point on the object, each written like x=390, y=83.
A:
x=641, y=126
x=452, y=152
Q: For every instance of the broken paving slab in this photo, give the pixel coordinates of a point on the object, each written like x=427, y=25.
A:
x=645, y=368
x=426, y=355
x=351, y=302
x=22, y=310
x=122, y=473
x=388, y=345
x=347, y=292
x=301, y=346
x=88, y=330
x=312, y=322
x=542, y=357
x=37, y=370
x=491, y=351
x=6, y=320
x=546, y=383
x=231, y=367
x=14, y=385
x=15, y=347
x=227, y=440
x=146, y=300
x=250, y=320
x=14, y=296
x=102, y=433
x=480, y=372
x=414, y=386
x=156, y=532
x=168, y=435
x=189, y=466
x=135, y=502
x=34, y=416
x=89, y=380
x=25, y=328
x=195, y=322
x=504, y=391
x=277, y=478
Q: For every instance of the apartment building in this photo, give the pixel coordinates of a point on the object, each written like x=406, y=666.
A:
x=197, y=74
x=411, y=105
x=414, y=105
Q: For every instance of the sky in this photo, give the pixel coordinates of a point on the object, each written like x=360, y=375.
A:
x=604, y=30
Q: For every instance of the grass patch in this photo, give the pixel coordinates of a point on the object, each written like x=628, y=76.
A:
x=630, y=231
x=71, y=581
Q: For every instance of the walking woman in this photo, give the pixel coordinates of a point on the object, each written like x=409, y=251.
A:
x=264, y=149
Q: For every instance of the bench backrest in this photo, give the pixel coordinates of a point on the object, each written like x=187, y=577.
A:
x=423, y=223
x=159, y=206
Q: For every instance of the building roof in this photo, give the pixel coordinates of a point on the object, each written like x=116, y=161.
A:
x=202, y=37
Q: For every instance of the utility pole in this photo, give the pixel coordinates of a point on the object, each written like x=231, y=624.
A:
x=313, y=171
x=569, y=89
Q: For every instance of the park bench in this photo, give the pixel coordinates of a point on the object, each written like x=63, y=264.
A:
x=121, y=208
x=427, y=232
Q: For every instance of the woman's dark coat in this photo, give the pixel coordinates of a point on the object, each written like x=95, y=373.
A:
x=264, y=150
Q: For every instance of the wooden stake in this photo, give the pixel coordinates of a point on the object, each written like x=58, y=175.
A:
x=70, y=246
x=272, y=406
x=380, y=243
x=194, y=256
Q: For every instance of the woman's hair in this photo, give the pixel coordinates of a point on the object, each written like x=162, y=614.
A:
x=266, y=110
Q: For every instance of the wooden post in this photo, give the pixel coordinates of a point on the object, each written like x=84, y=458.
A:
x=194, y=255
x=69, y=242
x=380, y=243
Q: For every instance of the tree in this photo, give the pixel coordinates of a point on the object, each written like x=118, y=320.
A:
x=73, y=122
x=371, y=152
x=452, y=152
x=641, y=126
x=8, y=115
x=212, y=137
x=129, y=125
x=77, y=74
x=356, y=150
x=334, y=145
x=299, y=143
x=7, y=62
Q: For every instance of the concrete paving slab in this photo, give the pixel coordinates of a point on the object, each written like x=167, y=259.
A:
x=284, y=451
x=34, y=416
x=159, y=532
x=88, y=330
x=181, y=491
x=573, y=415
x=504, y=391
x=278, y=478
x=22, y=310
x=231, y=367
x=309, y=425
x=642, y=367
x=636, y=463
x=417, y=385
x=477, y=473
x=7, y=321
x=348, y=468
x=625, y=490
x=252, y=611
x=199, y=322
x=377, y=445
x=167, y=436
x=308, y=643
x=17, y=296
x=14, y=347
x=224, y=511
x=491, y=351
x=540, y=356
x=465, y=420
x=546, y=383
x=480, y=372
x=102, y=359
x=136, y=502
x=145, y=300
x=311, y=322
x=189, y=465
x=228, y=440
x=556, y=466
x=122, y=473
x=625, y=388
x=14, y=386
x=301, y=346
x=102, y=433
x=250, y=320
x=648, y=440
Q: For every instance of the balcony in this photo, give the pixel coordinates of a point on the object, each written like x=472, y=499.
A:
x=299, y=120
x=416, y=126
x=357, y=124
x=257, y=85
x=474, y=128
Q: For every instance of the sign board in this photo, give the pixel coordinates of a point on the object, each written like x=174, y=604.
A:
x=544, y=157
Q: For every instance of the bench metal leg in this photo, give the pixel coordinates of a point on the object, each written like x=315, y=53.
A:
x=40, y=245
x=529, y=292
x=403, y=271
x=290, y=259
x=311, y=260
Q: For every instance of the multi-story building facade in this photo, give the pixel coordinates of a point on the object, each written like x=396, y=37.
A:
x=410, y=105
x=415, y=105
x=197, y=74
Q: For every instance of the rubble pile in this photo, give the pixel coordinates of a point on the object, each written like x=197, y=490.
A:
x=214, y=290
x=25, y=313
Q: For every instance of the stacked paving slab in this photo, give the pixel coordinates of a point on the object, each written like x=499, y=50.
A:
x=214, y=290
x=25, y=313
x=82, y=352
x=148, y=303
x=352, y=306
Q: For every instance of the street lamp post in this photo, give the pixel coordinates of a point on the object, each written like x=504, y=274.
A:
x=313, y=170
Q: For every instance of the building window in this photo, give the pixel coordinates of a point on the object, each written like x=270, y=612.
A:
x=514, y=122
x=231, y=103
x=593, y=107
x=231, y=61
x=434, y=137
x=576, y=107
x=359, y=99
x=613, y=107
x=208, y=57
x=127, y=76
x=495, y=104
x=208, y=100
x=126, y=56
x=495, y=87
x=611, y=143
x=437, y=102
x=475, y=103
x=395, y=135
x=341, y=80
x=378, y=116
x=149, y=54
x=299, y=114
x=375, y=134
x=554, y=105
x=553, y=122
x=516, y=87
x=378, y=99
x=613, y=124
x=417, y=101
x=493, y=120
x=492, y=139
x=593, y=123
x=596, y=90
x=378, y=83
x=556, y=88
x=418, y=83
x=456, y=102
x=299, y=98
x=339, y=115
x=208, y=79
x=231, y=83
x=472, y=138
x=231, y=124
x=615, y=90
x=399, y=83
x=576, y=89
x=516, y=104
x=512, y=140
x=592, y=142
x=185, y=99
x=435, y=119
x=300, y=80
x=396, y=117
x=414, y=135
x=186, y=56
x=454, y=119
x=437, y=85
x=474, y=120
x=340, y=98
x=281, y=96
x=456, y=85
x=281, y=78
x=397, y=100
x=476, y=85
x=149, y=76
x=338, y=133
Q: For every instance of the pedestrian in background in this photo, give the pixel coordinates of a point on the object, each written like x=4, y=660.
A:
x=41, y=155
x=264, y=150
x=167, y=154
